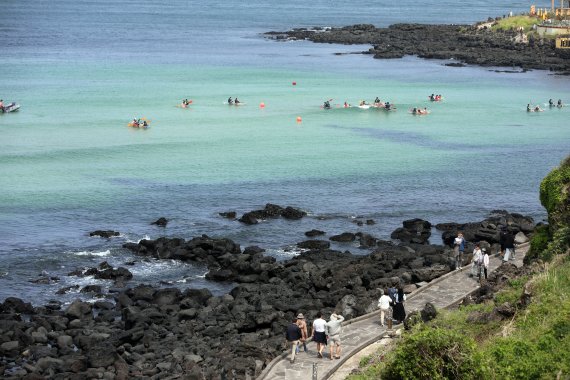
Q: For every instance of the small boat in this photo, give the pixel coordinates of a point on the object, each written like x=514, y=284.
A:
x=12, y=107
x=139, y=123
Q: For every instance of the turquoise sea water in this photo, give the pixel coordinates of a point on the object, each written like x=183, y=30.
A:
x=81, y=71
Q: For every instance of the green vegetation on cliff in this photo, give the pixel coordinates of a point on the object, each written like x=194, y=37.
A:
x=476, y=342
x=515, y=22
x=553, y=239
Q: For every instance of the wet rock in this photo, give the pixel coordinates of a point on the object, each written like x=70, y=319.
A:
x=293, y=213
x=228, y=214
x=161, y=222
x=248, y=219
x=104, y=233
x=345, y=237
x=97, y=289
x=313, y=233
x=314, y=244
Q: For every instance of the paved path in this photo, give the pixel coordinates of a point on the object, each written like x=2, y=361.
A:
x=363, y=331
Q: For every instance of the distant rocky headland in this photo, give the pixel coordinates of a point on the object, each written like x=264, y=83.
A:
x=149, y=332
x=465, y=44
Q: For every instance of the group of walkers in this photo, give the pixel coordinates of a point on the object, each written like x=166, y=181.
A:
x=480, y=260
x=391, y=305
x=322, y=333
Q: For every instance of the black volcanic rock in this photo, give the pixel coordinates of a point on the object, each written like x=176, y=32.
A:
x=104, y=233
x=461, y=43
x=313, y=233
x=161, y=222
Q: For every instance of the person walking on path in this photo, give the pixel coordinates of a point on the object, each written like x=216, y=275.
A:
x=485, y=261
x=399, y=311
x=293, y=335
x=318, y=334
x=476, y=261
x=384, y=304
x=333, y=329
x=304, y=334
x=458, y=249
x=508, y=245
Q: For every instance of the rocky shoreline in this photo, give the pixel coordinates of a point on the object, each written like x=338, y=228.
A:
x=464, y=44
x=157, y=333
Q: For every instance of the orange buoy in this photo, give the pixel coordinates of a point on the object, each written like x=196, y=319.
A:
x=294, y=83
x=261, y=105
x=299, y=119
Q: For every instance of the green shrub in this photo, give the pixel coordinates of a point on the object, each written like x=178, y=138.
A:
x=434, y=353
x=554, y=192
x=538, y=243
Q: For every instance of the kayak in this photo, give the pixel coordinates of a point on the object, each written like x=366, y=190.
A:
x=233, y=104
x=364, y=106
x=11, y=107
x=140, y=125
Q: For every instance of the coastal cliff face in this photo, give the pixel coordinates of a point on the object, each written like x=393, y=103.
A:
x=463, y=43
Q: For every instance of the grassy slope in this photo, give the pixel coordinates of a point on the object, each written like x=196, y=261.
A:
x=515, y=22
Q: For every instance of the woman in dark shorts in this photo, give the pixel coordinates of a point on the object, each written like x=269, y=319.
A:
x=319, y=335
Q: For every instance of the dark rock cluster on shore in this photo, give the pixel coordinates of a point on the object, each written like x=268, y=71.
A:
x=464, y=43
x=155, y=333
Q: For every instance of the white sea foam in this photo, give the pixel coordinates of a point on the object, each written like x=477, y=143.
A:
x=89, y=253
x=145, y=237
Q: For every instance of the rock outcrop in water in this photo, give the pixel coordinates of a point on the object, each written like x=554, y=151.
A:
x=153, y=333
x=462, y=43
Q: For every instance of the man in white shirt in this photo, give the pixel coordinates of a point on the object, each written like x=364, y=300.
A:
x=384, y=305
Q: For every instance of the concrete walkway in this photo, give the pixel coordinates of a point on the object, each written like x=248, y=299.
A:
x=363, y=331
